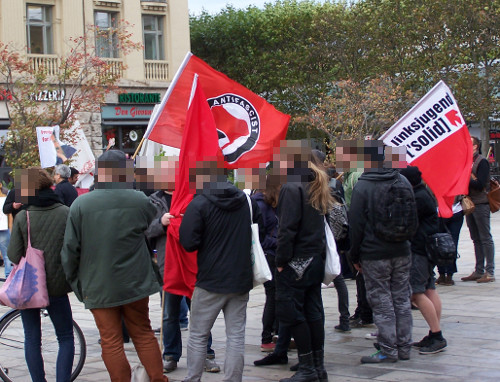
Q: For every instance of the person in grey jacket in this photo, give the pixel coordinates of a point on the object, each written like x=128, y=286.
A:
x=47, y=219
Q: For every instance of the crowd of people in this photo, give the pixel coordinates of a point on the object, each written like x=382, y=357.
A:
x=108, y=245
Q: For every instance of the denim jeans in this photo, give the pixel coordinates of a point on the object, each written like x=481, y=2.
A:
x=183, y=316
x=60, y=314
x=172, y=339
x=480, y=233
x=388, y=292
x=4, y=244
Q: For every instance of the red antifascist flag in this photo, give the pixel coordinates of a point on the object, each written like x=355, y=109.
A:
x=200, y=143
x=248, y=127
x=437, y=141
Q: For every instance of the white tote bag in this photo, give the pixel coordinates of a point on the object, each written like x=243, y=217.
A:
x=260, y=267
x=332, y=264
x=139, y=374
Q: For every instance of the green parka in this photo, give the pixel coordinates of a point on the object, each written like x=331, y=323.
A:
x=105, y=256
x=47, y=234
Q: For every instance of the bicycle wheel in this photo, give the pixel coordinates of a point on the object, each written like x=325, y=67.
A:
x=12, y=362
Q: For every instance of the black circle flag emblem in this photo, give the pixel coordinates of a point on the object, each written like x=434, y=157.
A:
x=238, y=125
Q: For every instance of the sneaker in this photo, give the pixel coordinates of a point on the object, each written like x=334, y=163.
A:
x=426, y=341
x=437, y=345
x=486, y=278
x=474, y=276
x=169, y=364
x=360, y=324
x=402, y=356
x=210, y=364
x=371, y=336
x=267, y=348
x=324, y=286
x=272, y=359
x=343, y=328
x=378, y=357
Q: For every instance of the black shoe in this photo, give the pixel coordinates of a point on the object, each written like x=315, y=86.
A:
x=343, y=328
x=272, y=359
x=354, y=317
x=306, y=372
x=318, y=356
x=294, y=367
x=169, y=364
x=437, y=345
x=360, y=324
x=426, y=341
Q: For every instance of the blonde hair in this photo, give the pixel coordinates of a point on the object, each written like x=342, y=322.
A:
x=319, y=191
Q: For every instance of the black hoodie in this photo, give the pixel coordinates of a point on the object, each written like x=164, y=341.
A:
x=365, y=245
x=218, y=226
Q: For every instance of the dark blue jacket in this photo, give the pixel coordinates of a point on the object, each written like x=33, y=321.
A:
x=66, y=192
x=270, y=224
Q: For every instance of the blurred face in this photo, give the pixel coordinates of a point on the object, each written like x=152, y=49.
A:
x=25, y=185
x=156, y=173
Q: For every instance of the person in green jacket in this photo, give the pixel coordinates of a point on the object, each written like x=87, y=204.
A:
x=107, y=261
x=47, y=222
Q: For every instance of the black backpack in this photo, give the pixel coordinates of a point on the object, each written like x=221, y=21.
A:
x=395, y=216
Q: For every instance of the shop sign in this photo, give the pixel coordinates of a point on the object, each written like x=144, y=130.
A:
x=48, y=95
x=139, y=98
x=126, y=112
x=494, y=134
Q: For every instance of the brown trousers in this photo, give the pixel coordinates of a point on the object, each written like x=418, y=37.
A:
x=136, y=317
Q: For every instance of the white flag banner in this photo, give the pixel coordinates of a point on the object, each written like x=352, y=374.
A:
x=437, y=141
x=47, y=141
x=432, y=120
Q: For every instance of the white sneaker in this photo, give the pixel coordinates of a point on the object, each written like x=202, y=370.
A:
x=371, y=336
x=324, y=286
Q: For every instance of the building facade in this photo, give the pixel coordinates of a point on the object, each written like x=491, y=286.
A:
x=42, y=28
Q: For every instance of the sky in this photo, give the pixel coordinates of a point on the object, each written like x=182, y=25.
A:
x=214, y=6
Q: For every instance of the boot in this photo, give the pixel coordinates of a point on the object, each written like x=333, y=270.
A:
x=318, y=356
x=448, y=281
x=306, y=372
x=441, y=279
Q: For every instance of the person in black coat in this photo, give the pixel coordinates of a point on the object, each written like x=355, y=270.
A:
x=64, y=189
x=422, y=281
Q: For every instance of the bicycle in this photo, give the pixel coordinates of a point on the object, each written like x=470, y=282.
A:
x=12, y=362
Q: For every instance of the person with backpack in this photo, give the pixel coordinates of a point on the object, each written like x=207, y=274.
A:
x=382, y=220
x=422, y=280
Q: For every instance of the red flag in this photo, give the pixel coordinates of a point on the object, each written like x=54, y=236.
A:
x=248, y=126
x=438, y=143
x=199, y=143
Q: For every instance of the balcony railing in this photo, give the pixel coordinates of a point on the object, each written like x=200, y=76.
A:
x=156, y=70
x=115, y=66
x=47, y=62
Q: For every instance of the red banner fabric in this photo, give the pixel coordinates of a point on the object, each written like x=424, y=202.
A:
x=199, y=143
x=248, y=126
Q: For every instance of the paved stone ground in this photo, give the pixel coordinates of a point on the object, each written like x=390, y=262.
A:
x=470, y=324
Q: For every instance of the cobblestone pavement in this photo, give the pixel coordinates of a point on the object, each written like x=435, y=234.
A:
x=470, y=324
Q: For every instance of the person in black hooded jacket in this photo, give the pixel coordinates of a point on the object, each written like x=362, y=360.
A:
x=422, y=281
x=217, y=224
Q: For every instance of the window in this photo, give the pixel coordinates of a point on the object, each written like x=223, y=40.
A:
x=39, y=29
x=106, y=40
x=152, y=27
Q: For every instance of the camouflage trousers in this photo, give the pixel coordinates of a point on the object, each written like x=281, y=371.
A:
x=388, y=292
